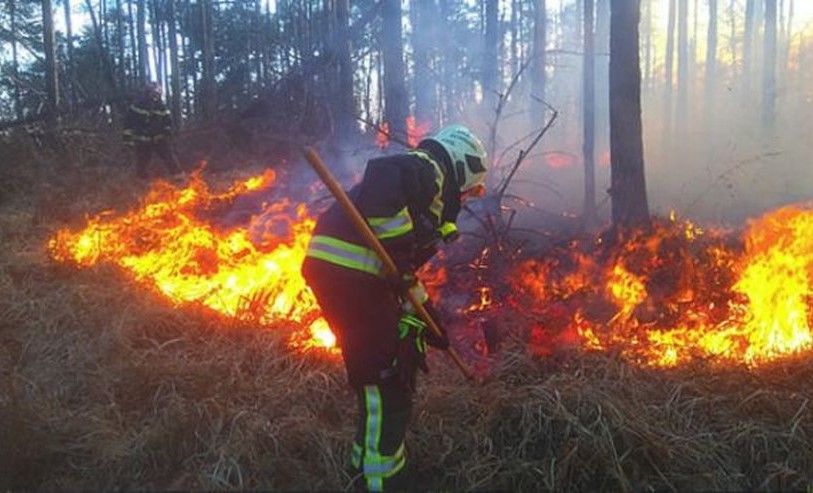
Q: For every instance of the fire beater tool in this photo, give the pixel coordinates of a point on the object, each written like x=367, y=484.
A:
x=372, y=241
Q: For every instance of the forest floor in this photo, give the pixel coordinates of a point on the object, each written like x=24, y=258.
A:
x=104, y=386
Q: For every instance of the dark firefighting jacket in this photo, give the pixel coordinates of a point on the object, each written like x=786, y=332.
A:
x=147, y=120
x=409, y=203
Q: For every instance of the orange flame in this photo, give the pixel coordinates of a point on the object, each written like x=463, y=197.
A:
x=415, y=132
x=173, y=244
x=680, y=293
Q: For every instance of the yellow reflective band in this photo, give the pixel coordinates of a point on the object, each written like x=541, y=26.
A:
x=436, y=208
x=372, y=434
x=355, y=457
x=447, y=229
x=385, y=466
x=390, y=227
x=140, y=111
x=345, y=254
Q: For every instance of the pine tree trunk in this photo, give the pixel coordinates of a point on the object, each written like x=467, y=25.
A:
x=209, y=95
x=71, y=96
x=683, y=66
x=157, y=40
x=120, y=65
x=423, y=39
x=515, y=59
x=669, y=76
x=396, y=100
x=448, y=62
x=628, y=185
x=789, y=38
x=103, y=54
x=602, y=71
x=491, y=84
x=646, y=6
x=143, y=54
x=711, y=59
x=747, y=50
x=51, y=74
x=346, y=101
x=175, y=67
x=589, y=96
x=539, y=54
x=769, y=66
x=135, y=72
x=15, y=62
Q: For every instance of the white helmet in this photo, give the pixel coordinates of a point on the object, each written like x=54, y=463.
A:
x=467, y=154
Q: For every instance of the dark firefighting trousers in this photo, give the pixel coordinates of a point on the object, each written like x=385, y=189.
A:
x=161, y=148
x=364, y=313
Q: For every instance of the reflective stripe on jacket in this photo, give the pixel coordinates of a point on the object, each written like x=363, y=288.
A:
x=346, y=254
x=147, y=120
x=402, y=199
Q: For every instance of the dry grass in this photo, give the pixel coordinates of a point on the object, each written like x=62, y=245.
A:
x=104, y=386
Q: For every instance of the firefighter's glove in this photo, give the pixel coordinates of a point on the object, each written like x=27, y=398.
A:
x=436, y=341
x=411, y=349
x=412, y=334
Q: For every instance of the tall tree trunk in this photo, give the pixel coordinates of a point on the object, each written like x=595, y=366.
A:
x=683, y=66
x=71, y=69
x=646, y=6
x=174, y=67
x=396, y=100
x=668, y=74
x=157, y=40
x=346, y=94
x=539, y=54
x=748, y=42
x=424, y=14
x=103, y=54
x=602, y=79
x=789, y=38
x=769, y=66
x=628, y=185
x=490, y=80
x=448, y=65
x=143, y=53
x=588, y=87
x=120, y=65
x=103, y=20
x=15, y=62
x=711, y=59
x=135, y=72
x=515, y=33
x=51, y=74
x=209, y=96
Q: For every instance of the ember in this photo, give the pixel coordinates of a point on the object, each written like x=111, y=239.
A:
x=679, y=293
x=175, y=243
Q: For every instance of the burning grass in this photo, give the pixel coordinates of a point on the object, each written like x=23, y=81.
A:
x=108, y=385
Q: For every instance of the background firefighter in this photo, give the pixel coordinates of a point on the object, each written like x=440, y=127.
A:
x=410, y=201
x=148, y=129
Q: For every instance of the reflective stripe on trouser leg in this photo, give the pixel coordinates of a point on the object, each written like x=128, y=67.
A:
x=355, y=456
x=381, y=428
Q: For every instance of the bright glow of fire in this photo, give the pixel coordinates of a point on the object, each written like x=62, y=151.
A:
x=679, y=293
x=180, y=243
x=415, y=132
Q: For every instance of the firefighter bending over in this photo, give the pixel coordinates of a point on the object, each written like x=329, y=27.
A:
x=148, y=129
x=410, y=201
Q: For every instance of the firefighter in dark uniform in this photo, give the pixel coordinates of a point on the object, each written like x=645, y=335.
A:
x=148, y=129
x=411, y=201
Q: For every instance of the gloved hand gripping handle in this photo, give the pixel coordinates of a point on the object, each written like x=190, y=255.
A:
x=372, y=241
